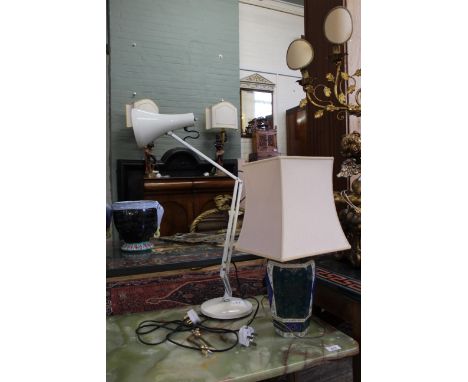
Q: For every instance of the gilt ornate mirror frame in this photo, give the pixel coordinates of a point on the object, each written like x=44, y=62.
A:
x=254, y=82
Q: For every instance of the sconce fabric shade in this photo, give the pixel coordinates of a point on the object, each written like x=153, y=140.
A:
x=222, y=115
x=338, y=25
x=290, y=210
x=147, y=126
x=300, y=54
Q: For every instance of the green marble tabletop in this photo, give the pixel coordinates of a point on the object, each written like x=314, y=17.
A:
x=128, y=360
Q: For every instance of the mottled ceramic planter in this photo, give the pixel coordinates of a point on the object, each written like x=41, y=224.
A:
x=136, y=222
x=290, y=289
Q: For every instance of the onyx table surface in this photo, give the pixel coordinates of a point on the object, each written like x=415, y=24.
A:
x=128, y=360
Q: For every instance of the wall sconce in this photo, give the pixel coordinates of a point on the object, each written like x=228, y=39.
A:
x=220, y=117
x=335, y=94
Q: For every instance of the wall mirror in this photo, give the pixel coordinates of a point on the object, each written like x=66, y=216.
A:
x=256, y=100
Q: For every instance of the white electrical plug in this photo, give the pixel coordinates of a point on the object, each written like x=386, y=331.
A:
x=193, y=316
x=246, y=336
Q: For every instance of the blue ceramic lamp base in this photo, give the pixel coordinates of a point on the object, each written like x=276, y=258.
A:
x=290, y=289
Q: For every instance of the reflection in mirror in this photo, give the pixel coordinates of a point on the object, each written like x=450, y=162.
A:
x=255, y=104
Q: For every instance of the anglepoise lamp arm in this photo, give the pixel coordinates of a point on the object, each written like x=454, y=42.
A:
x=233, y=215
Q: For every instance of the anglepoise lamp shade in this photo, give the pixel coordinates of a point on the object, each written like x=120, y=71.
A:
x=147, y=126
x=290, y=215
x=289, y=209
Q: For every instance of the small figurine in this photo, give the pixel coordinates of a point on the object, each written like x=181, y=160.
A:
x=150, y=162
x=219, y=145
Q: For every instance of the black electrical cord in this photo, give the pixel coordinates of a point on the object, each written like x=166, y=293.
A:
x=239, y=286
x=150, y=326
x=178, y=326
x=255, y=313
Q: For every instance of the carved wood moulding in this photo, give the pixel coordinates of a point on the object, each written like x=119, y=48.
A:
x=257, y=82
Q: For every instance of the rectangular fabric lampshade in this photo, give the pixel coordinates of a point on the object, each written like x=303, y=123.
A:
x=290, y=210
x=222, y=115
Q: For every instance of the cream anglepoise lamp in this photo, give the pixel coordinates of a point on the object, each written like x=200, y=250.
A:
x=148, y=126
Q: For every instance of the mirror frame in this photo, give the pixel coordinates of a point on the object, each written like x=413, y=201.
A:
x=256, y=82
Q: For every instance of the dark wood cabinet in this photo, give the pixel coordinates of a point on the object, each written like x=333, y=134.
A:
x=184, y=199
x=306, y=135
x=305, y=138
x=296, y=132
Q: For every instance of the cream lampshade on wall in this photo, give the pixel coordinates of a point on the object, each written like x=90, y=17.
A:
x=338, y=25
x=220, y=117
x=290, y=215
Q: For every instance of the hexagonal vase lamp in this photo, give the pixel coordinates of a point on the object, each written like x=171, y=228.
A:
x=290, y=217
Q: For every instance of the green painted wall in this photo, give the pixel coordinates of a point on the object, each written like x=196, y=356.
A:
x=176, y=62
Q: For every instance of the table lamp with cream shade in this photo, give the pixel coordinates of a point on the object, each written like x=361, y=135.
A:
x=148, y=126
x=290, y=217
x=218, y=118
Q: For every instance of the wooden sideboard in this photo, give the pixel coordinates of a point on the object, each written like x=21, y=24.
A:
x=184, y=199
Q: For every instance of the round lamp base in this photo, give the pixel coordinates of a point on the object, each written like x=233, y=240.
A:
x=226, y=310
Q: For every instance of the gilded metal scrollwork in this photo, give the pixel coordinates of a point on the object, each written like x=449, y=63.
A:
x=333, y=96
